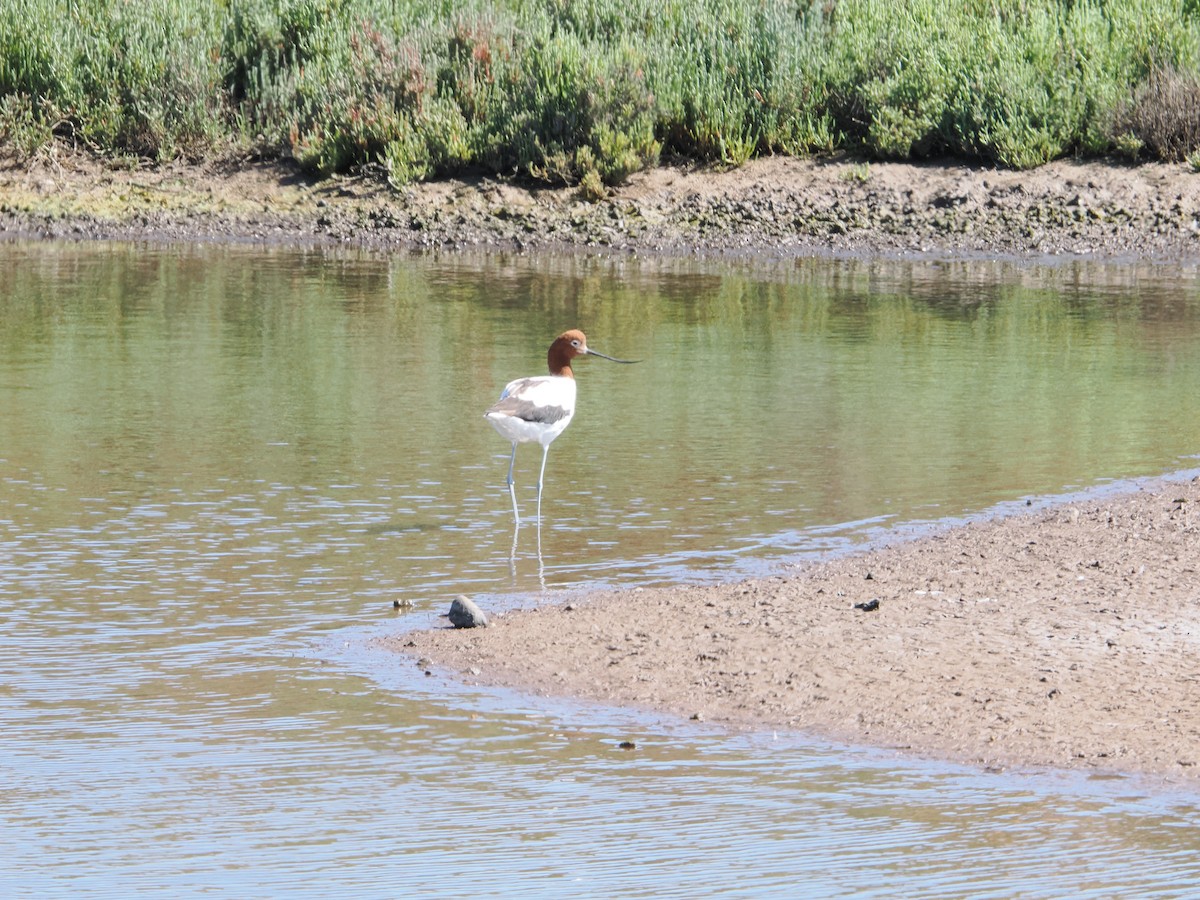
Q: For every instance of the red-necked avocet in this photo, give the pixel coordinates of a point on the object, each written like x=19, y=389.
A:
x=538, y=409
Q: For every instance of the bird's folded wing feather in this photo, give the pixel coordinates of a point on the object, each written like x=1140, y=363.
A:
x=534, y=400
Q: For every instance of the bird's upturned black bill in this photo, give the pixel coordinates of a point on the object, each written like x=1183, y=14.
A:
x=627, y=362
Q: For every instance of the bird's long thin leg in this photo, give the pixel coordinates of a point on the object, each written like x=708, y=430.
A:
x=545, y=453
x=512, y=494
x=541, y=563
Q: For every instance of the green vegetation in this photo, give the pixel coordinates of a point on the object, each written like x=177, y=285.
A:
x=589, y=91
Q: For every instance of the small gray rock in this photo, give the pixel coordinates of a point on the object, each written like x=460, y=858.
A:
x=464, y=613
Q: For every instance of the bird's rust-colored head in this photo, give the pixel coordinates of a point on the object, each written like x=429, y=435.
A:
x=565, y=348
x=569, y=345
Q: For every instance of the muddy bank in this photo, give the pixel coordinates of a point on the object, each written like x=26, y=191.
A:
x=1066, y=638
x=771, y=208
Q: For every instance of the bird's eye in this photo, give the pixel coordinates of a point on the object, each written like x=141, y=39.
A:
x=574, y=343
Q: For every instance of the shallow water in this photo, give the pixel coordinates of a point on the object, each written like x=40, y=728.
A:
x=220, y=466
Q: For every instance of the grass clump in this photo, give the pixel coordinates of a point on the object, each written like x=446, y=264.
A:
x=588, y=92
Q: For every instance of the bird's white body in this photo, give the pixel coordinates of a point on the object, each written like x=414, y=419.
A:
x=534, y=410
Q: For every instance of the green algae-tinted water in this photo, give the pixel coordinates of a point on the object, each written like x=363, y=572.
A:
x=219, y=467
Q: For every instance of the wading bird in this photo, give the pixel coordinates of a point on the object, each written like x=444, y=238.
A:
x=538, y=409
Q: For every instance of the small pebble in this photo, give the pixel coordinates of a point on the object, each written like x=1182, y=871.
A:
x=465, y=613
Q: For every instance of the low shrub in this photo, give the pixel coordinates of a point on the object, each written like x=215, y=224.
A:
x=1165, y=114
x=571, y=90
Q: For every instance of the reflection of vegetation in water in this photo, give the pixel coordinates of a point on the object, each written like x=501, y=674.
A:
x=923, y=383
x=590, y=92
x=815, y=390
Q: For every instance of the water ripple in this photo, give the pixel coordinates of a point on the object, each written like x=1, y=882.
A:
x=218, y=475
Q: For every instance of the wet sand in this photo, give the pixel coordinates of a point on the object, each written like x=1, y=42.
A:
x=1063, y=638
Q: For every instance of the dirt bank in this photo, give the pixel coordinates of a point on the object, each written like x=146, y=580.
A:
x=1068, y=638
x=773, y=207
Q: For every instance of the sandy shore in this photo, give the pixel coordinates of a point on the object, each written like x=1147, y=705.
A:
x=1063, y=638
